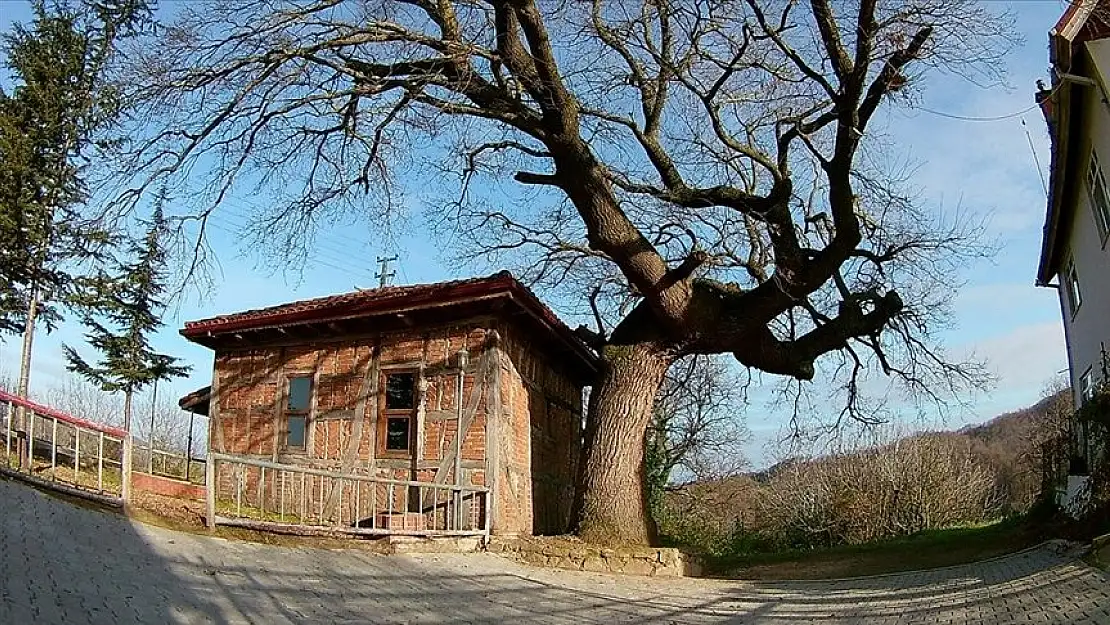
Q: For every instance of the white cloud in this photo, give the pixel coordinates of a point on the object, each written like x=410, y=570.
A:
x=1027, y=355
x=1024, y=360
x=987, y=310
x=985, y=168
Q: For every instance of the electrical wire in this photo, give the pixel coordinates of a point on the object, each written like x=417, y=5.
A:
x=312, y=259
x=968, y=118
x=323, y=247
x=991, y=118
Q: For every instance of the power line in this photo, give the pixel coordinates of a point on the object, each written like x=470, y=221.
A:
x=331, y=251
x=317, y=260
x=968, y=118
x=404, y=274
x=312, y=257
x=257, y=207
x=314, y=260
x=992, y=118
x=340, y=254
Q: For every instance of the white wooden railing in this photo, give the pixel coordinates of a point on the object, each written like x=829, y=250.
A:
x=63, y=452
x=169, y=464
x=266, y=495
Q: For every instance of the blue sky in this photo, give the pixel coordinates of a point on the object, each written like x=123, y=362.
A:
x=977, y=168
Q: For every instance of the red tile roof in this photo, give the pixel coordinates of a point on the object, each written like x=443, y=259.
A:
x=1069, y=14
x=386, y=300
x=197, y=401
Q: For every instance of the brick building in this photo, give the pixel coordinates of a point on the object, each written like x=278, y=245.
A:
x=367, y=383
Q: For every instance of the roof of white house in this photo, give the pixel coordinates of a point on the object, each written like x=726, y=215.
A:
x=1081, y=22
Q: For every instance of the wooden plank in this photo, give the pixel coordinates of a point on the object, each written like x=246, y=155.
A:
x=215, y=429
x=279, y=401
x=288, y=341
x=436, y=416
x=248, y=462
x=493, y=419
x=421, y=405
x=75, y=491
x=469, y=413
x=125, y=470
x=367, y=386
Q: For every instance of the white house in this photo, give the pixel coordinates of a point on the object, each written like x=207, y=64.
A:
x=1075, y=258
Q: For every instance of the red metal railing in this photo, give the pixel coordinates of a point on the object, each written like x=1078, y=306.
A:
x=61, y=451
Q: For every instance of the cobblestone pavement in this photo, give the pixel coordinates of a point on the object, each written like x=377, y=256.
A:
x=64, y=564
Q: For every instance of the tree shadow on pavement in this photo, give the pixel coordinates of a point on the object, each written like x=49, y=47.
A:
x=64, y=563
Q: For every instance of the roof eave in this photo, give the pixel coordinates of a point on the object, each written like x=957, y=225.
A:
x=528, y=301
x=1048, y=267
x=497, y=287
x=396, y=303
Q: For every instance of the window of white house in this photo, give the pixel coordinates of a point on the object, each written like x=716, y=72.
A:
x=298, y=402
x=1072, y=283
x=1100, y=196
x=1087, y=386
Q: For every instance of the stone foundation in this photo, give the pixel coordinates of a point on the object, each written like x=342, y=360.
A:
x=572, y=554
x=433, y=544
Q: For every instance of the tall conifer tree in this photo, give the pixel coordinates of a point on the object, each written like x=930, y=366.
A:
x=51, y=123
x=122, y=311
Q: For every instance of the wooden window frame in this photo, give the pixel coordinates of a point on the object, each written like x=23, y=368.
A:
x=306, y=413
x=384, y=414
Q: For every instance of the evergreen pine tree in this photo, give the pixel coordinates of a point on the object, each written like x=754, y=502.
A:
x=51, y=123
x=121, y=311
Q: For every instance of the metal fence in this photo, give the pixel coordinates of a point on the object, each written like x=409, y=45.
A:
x=64, y=452
x=267, y=495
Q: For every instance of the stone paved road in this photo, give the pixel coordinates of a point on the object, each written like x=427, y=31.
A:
x=64, y=564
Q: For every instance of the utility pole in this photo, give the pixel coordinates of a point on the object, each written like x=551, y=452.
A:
x=385, y=273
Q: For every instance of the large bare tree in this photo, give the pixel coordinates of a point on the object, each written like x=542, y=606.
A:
x=709, y=173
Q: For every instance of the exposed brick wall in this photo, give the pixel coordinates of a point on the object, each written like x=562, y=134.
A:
x=538, y=430
x=166, y=486
x=546, y=435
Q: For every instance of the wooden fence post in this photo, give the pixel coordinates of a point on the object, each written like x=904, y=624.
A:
x=125, y=470
x=488, y=513
x=210, y=491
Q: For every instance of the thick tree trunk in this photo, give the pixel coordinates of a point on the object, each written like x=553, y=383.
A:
x=612, y=506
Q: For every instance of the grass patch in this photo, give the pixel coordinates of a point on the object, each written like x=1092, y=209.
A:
x=1100, y=553
x=924, y=550
x=229, y=508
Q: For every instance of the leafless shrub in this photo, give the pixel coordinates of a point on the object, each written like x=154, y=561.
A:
x=919, y=483
x=849, y=492
x=79, y=398
x=698, y=427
